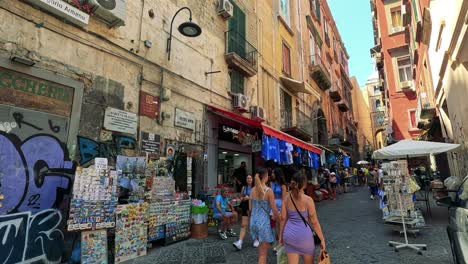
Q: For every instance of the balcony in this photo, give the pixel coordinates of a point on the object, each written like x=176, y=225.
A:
x=343, y=105
x=336, y=92
x=425, y=110
x=379, y=61
x=318, y=72
x=240, y=54
x=337, y=137
x=302, y=129
x=378, y=121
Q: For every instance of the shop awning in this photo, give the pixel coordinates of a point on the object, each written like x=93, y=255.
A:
x=294, y=85
x=283, y=136
x=235, y=117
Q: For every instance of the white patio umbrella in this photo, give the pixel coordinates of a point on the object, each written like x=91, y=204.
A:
x=413, y=148
x=362, y=162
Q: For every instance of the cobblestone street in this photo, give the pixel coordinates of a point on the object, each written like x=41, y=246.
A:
x=353, y=229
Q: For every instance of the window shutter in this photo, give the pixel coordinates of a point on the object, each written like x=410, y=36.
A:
x=237, y=82
x=317, y=6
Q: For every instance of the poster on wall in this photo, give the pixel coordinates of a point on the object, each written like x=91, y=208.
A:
x=94, y=247
x=170, y=151
x=132, y=176
x=131, y=231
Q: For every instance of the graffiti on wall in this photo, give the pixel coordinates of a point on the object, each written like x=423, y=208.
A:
x=90, y=149
x=28, y=238
x=32, y=173
x=34, y=177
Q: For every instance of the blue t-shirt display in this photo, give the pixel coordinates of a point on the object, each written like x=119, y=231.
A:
x=273, y=149
x=283, y=157
x=265, y=147
x=223, y=202
x=297, y=156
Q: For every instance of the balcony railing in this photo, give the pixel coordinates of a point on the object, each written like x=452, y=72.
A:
x=304, y=123
x=425, y=110
x=319, y=72
x=240, y=54
x=286, y=118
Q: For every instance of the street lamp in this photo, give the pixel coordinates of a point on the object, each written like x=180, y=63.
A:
x=188, y=29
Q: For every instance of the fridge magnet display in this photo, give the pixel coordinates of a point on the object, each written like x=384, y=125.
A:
x=131, y=235
x=94, y=199
x=94, y=247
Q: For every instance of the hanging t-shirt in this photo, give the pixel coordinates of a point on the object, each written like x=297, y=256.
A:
x=297, y=156
x=311, y=159
x=273, y=149
x=305, y=158
x=289, y=153
x=283, y=159
x=316, y=160
x=265, y=147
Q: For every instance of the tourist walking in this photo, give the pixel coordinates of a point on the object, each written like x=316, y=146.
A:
x=371, y=180
x=278, y=186
x=299, y=222
x=333, y=184
x=262, y=200
x=244, y=206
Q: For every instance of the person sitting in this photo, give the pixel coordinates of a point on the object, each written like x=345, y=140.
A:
x=224, y=212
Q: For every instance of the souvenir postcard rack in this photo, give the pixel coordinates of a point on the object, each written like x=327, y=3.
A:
x=397, y=205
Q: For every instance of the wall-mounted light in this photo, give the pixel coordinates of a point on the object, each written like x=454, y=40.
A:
x=188, y=29
x=22, y=60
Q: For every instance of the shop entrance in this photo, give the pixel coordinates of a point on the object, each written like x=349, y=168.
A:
x=229, y=161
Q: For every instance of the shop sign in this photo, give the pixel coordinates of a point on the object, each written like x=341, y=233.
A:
x=64, y=10
x=150, y=142
x=184, y=119
x=120, y=121
x=236, y=135
x=257, y=146
x=149, y=105
x=26, y=91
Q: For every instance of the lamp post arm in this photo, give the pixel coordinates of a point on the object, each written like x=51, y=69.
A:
x=169, y=40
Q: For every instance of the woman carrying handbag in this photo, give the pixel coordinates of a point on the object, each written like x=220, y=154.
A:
x=300, y=229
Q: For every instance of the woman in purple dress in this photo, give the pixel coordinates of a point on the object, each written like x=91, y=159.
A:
x=295, y=234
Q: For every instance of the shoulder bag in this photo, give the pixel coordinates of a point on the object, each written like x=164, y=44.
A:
x=317, y=240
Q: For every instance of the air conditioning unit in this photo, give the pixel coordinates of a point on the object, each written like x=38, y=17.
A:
x=239, y=102
x=226, y=9
x=257, y=113
x=396, y=29
x=112, y=12
x=407, y=85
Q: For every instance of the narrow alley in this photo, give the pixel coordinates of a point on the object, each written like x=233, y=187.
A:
x=353, y=229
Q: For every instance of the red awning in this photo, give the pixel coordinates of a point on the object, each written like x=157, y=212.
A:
x=235, y=117
x=283, y=136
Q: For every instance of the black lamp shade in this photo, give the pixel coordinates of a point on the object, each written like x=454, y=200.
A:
x=190, y=29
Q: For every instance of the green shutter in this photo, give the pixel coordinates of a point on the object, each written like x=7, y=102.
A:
x=317, y=5
x=237, y=82
x=237, y=30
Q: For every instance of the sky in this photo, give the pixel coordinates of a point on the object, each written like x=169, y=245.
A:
x=353, y=19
